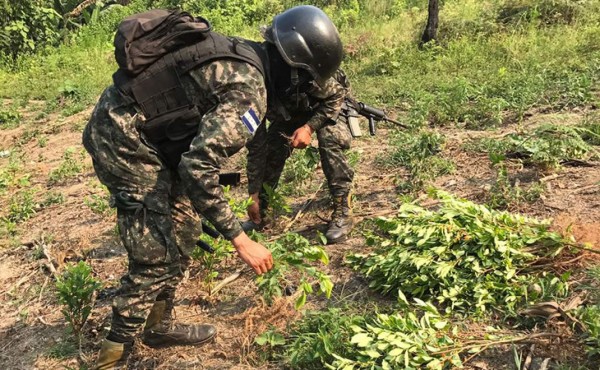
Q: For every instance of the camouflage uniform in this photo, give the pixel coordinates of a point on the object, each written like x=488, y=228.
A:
x=319, y=108
x=158, y=218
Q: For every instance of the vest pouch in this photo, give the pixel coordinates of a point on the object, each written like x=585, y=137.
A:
x=172, y=133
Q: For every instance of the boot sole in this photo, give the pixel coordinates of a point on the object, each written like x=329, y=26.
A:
x=338, y=240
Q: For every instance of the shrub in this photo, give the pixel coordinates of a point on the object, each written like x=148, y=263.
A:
x=27, y=26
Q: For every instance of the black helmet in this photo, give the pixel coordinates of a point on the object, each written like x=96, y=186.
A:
x=306, y=38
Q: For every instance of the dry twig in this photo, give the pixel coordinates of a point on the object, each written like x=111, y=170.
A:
x=228, y=280
x=300, y=212
x=80, y=8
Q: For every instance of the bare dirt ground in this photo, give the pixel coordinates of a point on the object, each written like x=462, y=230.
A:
x=33, y=330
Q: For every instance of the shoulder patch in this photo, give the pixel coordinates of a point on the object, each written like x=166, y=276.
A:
x=251, y=120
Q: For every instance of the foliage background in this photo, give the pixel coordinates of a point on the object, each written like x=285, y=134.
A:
x=495, y=60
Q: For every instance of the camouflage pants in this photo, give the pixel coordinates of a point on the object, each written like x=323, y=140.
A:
x=159, y=233
x=333, y=140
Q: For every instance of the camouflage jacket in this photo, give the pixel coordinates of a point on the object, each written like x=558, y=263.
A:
x=225, y=91
x=317, y=107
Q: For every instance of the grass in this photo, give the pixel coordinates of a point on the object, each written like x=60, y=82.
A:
x=70, y=167
x=418, y=153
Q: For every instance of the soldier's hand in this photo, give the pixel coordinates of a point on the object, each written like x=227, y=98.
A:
x=254, y=209
x=255, y=255
x=301, y=138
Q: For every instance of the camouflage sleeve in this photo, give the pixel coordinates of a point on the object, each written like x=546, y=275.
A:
x=332, y=97
x=257, y=159
x=239, y=89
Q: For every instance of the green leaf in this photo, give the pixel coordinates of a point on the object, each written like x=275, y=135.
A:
x=361, y=340
x=300, y=301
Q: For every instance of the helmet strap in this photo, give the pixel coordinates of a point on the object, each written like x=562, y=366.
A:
x=294, y=78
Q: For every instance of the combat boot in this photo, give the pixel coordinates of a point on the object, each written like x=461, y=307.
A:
x=161, y=332
x=111, y=356
x=341, y=220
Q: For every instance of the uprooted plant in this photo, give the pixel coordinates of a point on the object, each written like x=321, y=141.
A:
x=547, y=146
x=294, y=257
x=465, y=256
x=415, y=336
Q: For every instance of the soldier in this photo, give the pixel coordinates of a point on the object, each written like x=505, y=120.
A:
x=158, y=137
x=296, y=113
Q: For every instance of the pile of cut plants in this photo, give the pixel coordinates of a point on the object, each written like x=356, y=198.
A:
x=446, y=268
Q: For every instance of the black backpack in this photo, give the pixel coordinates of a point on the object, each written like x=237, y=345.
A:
x=154, y=50
x=144, y=38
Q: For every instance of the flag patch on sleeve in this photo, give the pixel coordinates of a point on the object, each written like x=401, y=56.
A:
x=251, y=120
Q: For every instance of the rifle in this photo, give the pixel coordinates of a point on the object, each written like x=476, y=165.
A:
x=374, y=114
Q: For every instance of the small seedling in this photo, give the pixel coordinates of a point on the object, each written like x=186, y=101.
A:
x=209, y=261
x=419, y=155
x=70, y=167
x=9, y=118
x=22, y=207
x=277, y=204
x=76, y=288
x=99, y=204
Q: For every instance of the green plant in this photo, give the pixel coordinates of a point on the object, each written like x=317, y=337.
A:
x=277, y=204
x=503, y=194
x=318, y=336
x=98, y=204
x=222, y=249
x=239, y=207
x=70, y=166
x=22, y=207
x=53, y=197
x=9, y=118
x=27, y=136
x=419, y=154
x=293, y=256
x=10, y=175
x=590, y=317
x=270, y=338
x=467, y=257
x=546, y=146
x=28, y=25
x=298, y=168
x=42, y=141
x=402, y=341
x=590, y=129
x=75, y=289
x=63, y=349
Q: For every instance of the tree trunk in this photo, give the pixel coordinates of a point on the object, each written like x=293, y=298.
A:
x=432, y=22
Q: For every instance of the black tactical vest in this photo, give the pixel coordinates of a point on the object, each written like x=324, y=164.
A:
x=171, y=119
